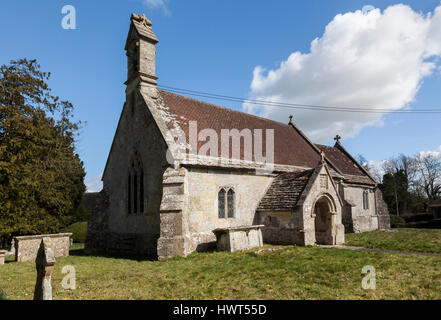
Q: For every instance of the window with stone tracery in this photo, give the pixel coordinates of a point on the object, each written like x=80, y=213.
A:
x=135, y=187
x=226, y=203
x=366, y=200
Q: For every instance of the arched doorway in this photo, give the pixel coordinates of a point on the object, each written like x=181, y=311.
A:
x=323, y=221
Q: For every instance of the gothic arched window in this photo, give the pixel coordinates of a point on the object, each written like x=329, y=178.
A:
x=226, y=203
x=230, y=197
x=221, y=203
x=366, y=200
x=135, y=187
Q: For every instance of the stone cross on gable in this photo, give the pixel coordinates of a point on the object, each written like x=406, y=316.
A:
x=337, y=138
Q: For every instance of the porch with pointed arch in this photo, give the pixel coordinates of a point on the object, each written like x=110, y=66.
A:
x=324, y=210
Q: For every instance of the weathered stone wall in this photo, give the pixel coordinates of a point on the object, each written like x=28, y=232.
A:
x=26, y=247
x=114, y=229
x=356, y=218
x=283, y=236
x=91, y=201
x=97, y=226
x=175, y=237
x=314, y=193
x=282, y=227
x=382, y=211
x=189, y=208
x=203, y=188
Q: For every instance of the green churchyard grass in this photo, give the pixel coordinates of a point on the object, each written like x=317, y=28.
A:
x=418, y=240
x=289, y=273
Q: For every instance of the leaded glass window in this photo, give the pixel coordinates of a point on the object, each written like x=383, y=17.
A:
x=230, y=203
x=221, y=204
x=226, y=203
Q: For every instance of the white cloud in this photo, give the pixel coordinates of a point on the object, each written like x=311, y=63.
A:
x=157, y=4
x=94, y=184
x=368, y=59
x=435, y=153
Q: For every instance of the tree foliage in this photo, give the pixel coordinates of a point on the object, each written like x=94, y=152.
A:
x=410, y=184
x=395, y=191
x=41, y=177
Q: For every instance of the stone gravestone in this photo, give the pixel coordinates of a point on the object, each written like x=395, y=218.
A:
x=44, y=263
x=2, y=256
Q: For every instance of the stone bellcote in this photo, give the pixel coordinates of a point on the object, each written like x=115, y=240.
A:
x=141, y=53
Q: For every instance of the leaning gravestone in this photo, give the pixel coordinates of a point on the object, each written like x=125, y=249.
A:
x=44, y=263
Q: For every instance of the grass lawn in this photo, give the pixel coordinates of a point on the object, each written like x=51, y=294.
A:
x=290, y=273
x=418, y=240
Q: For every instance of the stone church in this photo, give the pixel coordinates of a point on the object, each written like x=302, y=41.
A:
x=164, y=193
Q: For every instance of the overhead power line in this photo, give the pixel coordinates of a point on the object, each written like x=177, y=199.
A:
x=295, y=105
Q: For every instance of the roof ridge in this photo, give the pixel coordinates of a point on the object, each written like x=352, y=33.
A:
x=340, y=147
x=221, y=107
x=323, y=145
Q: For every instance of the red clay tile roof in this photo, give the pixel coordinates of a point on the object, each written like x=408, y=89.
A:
x=346, y=165
x=341, y=161
x=285, y=191
x=290, y=147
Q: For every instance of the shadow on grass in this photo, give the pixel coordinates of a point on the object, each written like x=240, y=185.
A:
x=432, y=224
x=112, y=255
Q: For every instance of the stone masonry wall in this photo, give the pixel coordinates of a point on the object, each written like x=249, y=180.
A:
x=382, y=211
x=114, y=229
x=175, y=237
x=97, y=226
x=282, y=227
x=26, y=247
x=314, y=193
x=356, y=218
x=203, y=188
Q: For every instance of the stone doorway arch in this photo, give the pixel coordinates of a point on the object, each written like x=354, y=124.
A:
x=324, y=210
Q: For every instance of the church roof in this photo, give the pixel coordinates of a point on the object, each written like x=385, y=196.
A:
x=291, y=147
x=350, y=168
x=344, y=163
x=285, y=191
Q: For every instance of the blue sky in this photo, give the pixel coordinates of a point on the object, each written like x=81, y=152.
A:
x=205, y=45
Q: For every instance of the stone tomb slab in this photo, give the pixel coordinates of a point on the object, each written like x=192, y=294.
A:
x=26, y=247
x=239, y=238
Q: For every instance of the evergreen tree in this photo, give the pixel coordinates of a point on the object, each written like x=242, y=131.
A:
x=395, y=191
x=41, y=177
